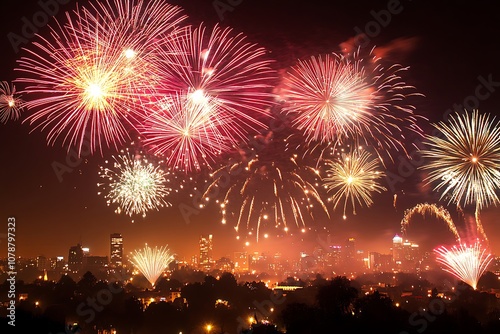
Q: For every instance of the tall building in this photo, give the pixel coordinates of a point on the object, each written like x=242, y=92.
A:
x=75, y=258
x=116, y=250
x=349, y=255
x=42, y=263
x=406, y=254
x=397, y=249
x=206, y=258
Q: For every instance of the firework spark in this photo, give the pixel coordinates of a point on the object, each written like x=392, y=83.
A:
x=465, y=159
x=134, y=184
x=92, y=72
x=270, y=188
x=151, y=262
x=354, y=177
x=466, y=262
x=334, y=98
x=429, y=209
x=10, y=104
x=223, y=69
x=189, y=132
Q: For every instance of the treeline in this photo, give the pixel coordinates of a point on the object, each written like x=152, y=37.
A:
x=223, y=305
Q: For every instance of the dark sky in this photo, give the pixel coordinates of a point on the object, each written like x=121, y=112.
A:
x=447, y=45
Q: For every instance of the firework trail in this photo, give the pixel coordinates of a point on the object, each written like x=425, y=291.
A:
x=270, y=188
x=134, y=184
x=464, y=160
x=10, y=104
x=334, y=98
x=223, y=69
x=92, y=72
x=190, y=133
x=429, y=209
x=466, y=262
x=151, y=262
x=353, y=178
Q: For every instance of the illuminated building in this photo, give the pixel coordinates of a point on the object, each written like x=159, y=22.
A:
x=116, y=250
x=397, y=249
x=95, y=263
x=75, y=258
x=42, y=263
x=380, y=262
x=495, y=266
x=350, y=261
x=241, y=262
x=224, y=264
x=406, y=255
x=258, y=262
x=59, y=263
x=206, y=259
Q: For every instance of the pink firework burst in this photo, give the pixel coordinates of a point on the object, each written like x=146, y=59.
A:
x=223, y=67
x=335, y=98
x=92, y=72
x=190, y=130
x=465, y=262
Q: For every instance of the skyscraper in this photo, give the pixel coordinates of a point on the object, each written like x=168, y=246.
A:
x=397, y=249
x=116, y=250
x=75, y=258
x=206, y=258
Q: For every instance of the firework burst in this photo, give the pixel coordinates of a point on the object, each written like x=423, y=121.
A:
x=92, y=72
x=223, y=69
x=10, y=104
x=189, y=130
x=353, y=178
x=151, y=262
x=466, y=262
x=464, y=160
x=334, y=98
x=134, y=184
x=270, y=188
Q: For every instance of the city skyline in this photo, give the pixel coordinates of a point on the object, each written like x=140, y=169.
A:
x=56, y=208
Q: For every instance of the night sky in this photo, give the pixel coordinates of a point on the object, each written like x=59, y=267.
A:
x=447, y=45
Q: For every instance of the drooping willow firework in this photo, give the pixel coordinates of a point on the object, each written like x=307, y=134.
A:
x=429, y=209
x=221, y=68
x=92, y=71
x=189, y=130
x=151, y=262
x=466, y=262
x=464, y=159
x=335, y=98
x=267, y=188
x=10, y=104
x=354, y=177
x=134, y=185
